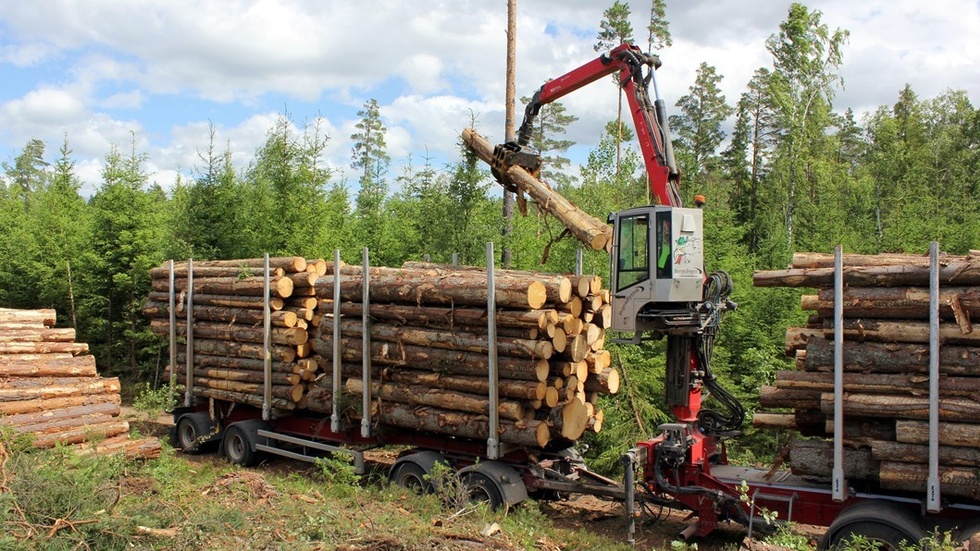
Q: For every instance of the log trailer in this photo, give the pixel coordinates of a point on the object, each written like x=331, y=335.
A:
x=659, y=289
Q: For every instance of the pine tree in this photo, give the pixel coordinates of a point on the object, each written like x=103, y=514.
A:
x=698, y=126
x=615, y=29
x=370, y=154
x=547, y=139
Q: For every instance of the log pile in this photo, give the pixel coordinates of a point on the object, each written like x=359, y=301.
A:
x=228, y=328
x=50, y=390
x=428, y=344
x=886, y=359
x=429, y=351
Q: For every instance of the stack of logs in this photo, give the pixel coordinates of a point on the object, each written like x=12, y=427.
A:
x=228, y=328
x=429, y=350
x=50, y=390
x=886, y=383
x=429, y=344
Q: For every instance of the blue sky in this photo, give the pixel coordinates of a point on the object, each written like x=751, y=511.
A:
x=106, y=72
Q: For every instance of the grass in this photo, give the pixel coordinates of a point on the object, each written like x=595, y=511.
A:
x=54, y=499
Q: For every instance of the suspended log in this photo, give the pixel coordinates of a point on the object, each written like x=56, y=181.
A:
x=915, y=453
x=39, y=366
x=50, y=404
x=902, y=407
x=907, y=477
x=291, y=336
x=876, y=357
x=241, y=316
x=950, y=434
x=586, y=228
x=469, y=342
x=952, y=273
x=42, y=316
x=427, y=396
x=448, y=317
x=424, y=287
x=814, y=460
x=74, y=348
x=227, y=301
x=287, y=263
x=880, y=383
x=281, y=287
x=532, y=434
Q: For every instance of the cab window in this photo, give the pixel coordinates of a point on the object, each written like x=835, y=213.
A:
x=634, y=259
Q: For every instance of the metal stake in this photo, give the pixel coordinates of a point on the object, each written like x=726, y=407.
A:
x=172, y=305
x=933, y=494
x=335, y=415
x=493, y=445
x=578, y=261
x=839, y=486
x=267, y=344
x=189, y=392
x=366, y=346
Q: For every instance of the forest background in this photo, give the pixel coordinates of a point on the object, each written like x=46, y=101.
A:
x=796, y=173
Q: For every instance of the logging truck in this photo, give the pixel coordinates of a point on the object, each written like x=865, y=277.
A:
x=658, y=288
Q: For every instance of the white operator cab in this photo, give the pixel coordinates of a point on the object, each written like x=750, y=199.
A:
x=657, y=267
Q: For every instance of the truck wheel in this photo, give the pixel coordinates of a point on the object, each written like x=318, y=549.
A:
x=480, y=489
x=238, y=445
x=189, y=428
x=412, y=477
x=887, y=525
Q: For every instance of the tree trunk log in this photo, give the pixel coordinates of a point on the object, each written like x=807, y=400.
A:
x=531, y=434
x=785, y=421
x=896, y=331
x=824, y=260
x=875, y=357
x=902, y=407
x=471, y=385
x=33, y=418
x=144, y=448
x=292, y=336
x=50, y=404
x=953, y=273
x=242, y=398
x=180, y=271
x=281, y=287
x=72, y=366
x=240, y=316
x=435, y=397
x=448, y=317
x=880, y=383
x=86, y=386
x=428, y=288
x=915, y=453
x=814, y=460
x=243, y=350
x=226, y=301
x=73, y=348
x=606, y=382
x=772, y=397
x=588, y=229
x=85, y=433
x=292, y=393
x=950, y=434
x=287, y=263
x=43, y=334
x=42, y=316
x=906, y=477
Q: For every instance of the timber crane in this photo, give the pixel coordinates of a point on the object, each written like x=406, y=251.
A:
x=660, y=287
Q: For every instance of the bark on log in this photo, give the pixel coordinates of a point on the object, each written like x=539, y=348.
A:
x=50, y=404
x=72, y=366
x=953, y=273
x=426, y=287
x=469, y=342
x=902, y=407
x=420, y=395
x=241, y=398
x=51, y=426
x=814, y=460
x=26, y=419
x=435, y=359
x=588, y=229
x=281, y=287
x=532, y=434
x=915, y=453
x=448, y=317
x=44, y=334
x=73, y=348
x=83, y=434
x=568, y=420
x=772, y=397
x=247, y=364
x=598, y=360
x=87, y=386
x=243, y=350
x=875, y=357
x=227, y=301
x=288, y=263
x=893, y=302
x=956, y=481
x=950, y=434
x=880, y=383
x=278, y=378
x=798, y=337
x=895, y=331
x=460, y=383
x=824, y=260
x=784, y=421
x=143, y=448
x=180, y=271
x=291, y=336
x=291, y=393
x=240, y=316
x=42, y=316
x=605, y=382
x=559, y=287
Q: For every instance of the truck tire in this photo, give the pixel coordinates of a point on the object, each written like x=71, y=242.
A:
x=412, y=477
x=188, y=432
x=238, y=446
x=887, y=524
x=481, y=489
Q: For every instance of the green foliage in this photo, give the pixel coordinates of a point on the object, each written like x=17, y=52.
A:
x=337, y=470
x=154, y=402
